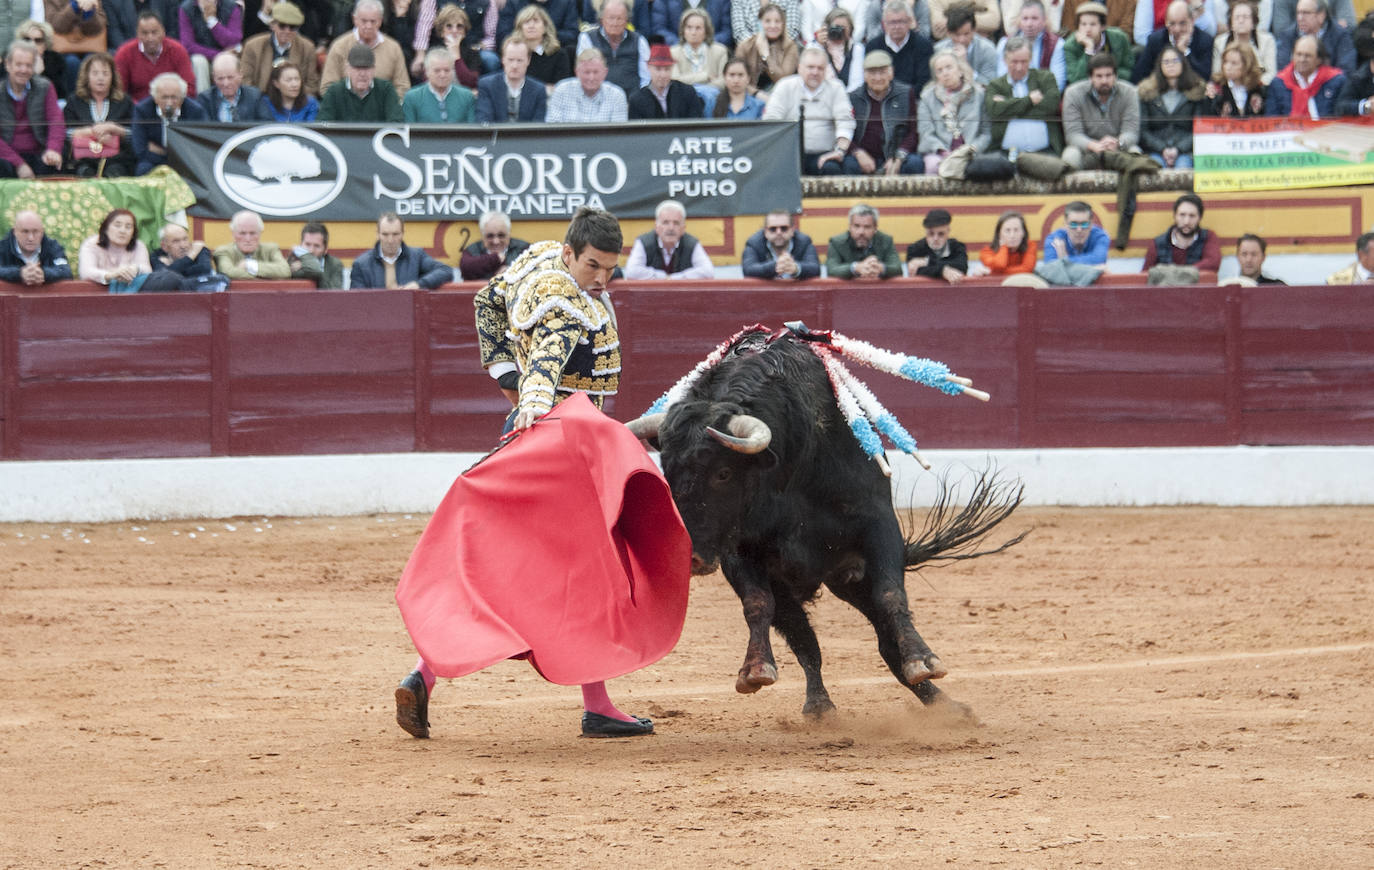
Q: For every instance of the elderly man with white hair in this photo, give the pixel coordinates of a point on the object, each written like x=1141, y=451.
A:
x=390, y=58
x=484, y=260
x=824, y=109
x=248, y=256
x=669, y=251
x=166, y=104
x=32, y=131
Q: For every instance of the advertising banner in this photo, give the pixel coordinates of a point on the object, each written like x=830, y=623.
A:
x=1277, y=153
x=352, y=172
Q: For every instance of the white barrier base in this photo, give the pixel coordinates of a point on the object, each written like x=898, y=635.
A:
x=114, y=490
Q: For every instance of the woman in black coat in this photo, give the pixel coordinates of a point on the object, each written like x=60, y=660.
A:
x=1238, y=90
x=97, y=112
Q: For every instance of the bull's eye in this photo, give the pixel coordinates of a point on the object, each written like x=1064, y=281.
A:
x=722, y=475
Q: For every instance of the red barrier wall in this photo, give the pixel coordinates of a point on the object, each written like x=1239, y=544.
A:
x=382, y=371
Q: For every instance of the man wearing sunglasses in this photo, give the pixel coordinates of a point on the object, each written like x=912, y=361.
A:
x=780, y=251
x=264, y=52
x=1079, y=240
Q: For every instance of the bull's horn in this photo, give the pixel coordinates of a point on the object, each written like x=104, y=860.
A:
x=747, y=434
x=646, y=427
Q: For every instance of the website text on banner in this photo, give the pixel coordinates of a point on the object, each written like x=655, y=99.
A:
x=431, y=172
x=1276, y=153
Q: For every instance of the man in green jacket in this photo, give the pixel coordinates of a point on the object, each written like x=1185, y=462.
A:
x=359, y=96
x=863, y=252
x=1023, y=106
x=1093, y=36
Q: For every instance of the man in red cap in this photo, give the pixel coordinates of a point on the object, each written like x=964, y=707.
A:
x=663, y=97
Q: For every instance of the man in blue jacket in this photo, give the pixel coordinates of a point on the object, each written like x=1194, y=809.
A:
x=394, y=265
x=661, y=18
x=780, y=251
x=166, y=104
x=1079, y=240
x=29, y=257
x=510, y=88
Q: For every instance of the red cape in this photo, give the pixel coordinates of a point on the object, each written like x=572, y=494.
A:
x=564, y=545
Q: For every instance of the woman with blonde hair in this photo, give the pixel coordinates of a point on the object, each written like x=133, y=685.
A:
x=1237, y=90
x=700, y=60
x=771, y=54
x=549, y=62
x=950, y=111
x=40, y=33
x=98, y=117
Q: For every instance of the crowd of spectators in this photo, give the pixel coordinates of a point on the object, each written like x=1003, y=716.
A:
x=884, y=86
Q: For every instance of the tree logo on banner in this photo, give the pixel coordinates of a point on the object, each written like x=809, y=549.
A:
x=280, y=170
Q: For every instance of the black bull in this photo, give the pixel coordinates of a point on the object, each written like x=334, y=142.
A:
x=775, y=489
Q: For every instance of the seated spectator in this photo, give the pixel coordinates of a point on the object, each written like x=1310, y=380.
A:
x=1169, y=100
x=663, y=97
x=106, y=144
x=453, y=30
x=1362, y=270
x=285, y=100
x=1046, y=47
x=1092, y=37
x=182, y=266
x=1250, y=252
x=32, y=132
x=85, y=24
x=388, y=58
x=1314, y=19
x=1181, y=32
x=771, y=54
x=1283, y=15
x=746, y=19
x=29, y=257
x=361, y=97
x=153, y=114
x=484, y=260
x=1308, y=87
x=664, y=20
x=976, y=50
x=669, y=251
x=910, y=50
x=391, y=264
x=735, y=103
x=824, y=110
x=863, y=251
x=950, y=112
x=1244, y=30
x=549, y=61
x=1012, y=250
x=1187, y=242
x=626, y=53
x=1102, y=120
x=1079, y=240
x=511, y=95
x=439, y=101
x=1357, y=95
x=698, y=59
x=315, y=242
x=114, y=256
x=206, y=29
x=937, y=255
x=883, y=134
x=864, y=18
x=50, y=64
x=988, y=23
x=230, y=101
x=283, y=44
x=150, y=54
x=588, y=98
x=1238, y=91
x=1022, y=107
x=1152, y=16
x=780, y=251
x=846, y=55
x=561, y=27
x=248, y=256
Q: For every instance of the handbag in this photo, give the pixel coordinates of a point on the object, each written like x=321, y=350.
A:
x=77, y=42
x=90, y=148
x=993, y=166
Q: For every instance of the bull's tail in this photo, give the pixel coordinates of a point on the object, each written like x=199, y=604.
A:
x=952, y=533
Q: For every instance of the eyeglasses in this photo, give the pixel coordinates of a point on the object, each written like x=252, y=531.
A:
x=1079, y=225
x=780, y=229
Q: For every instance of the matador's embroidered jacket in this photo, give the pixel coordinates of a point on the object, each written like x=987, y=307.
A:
x=563, y=339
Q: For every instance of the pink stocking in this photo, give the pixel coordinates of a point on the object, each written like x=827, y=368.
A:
x=427, y=674
x=595, y=700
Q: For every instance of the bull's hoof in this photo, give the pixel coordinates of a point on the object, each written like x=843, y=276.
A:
x=751, y=679
x=919, y=670
x=818, y=708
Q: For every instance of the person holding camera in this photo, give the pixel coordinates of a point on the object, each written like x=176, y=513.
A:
x=836, y=36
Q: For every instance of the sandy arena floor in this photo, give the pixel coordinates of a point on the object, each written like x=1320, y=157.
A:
x=1158, y=688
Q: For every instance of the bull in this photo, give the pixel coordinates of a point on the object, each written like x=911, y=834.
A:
x=776, y=492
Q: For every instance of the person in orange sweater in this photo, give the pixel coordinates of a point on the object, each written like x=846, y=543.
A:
x=1012, y=250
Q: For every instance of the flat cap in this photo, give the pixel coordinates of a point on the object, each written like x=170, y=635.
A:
x=361, y=57
x=288, y=13
x=877, y=59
